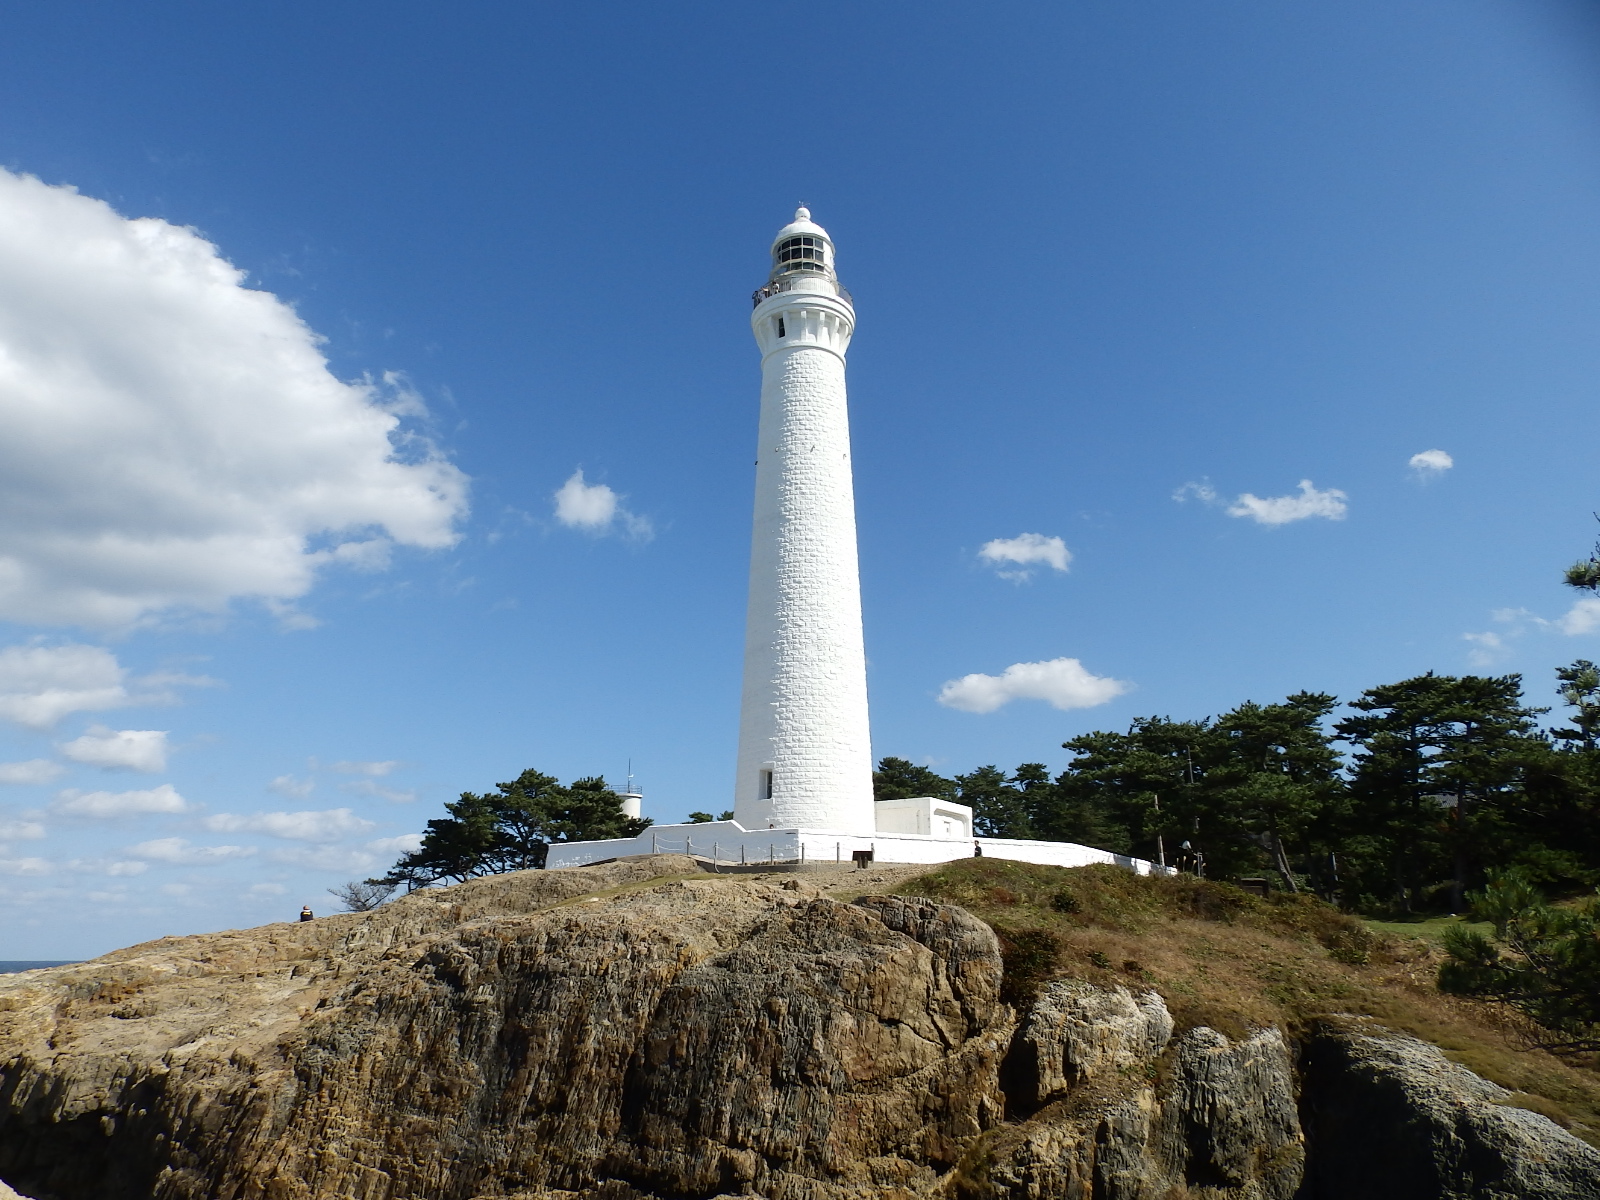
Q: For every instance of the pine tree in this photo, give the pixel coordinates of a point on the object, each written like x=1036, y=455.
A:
x=997, y=806
x=1543, y=961
x=511, y=828
x=1438, y=771
x=1277, y=770
x=901, y=779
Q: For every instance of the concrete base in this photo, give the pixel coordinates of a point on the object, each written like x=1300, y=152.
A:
x=730, y=842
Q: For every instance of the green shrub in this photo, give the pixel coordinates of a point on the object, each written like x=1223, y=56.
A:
x=1543, y=961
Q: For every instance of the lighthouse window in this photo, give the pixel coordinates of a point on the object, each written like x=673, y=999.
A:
x=765, y=789
x=802, y=252
x=781, y=333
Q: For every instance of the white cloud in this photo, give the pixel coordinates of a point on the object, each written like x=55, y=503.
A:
x=582, y=505
x=1515, y=616
x=227, y=461
x=181, y=850
x=325, y=858
x=595, y=508
x=40, y=684
x=34, y=770
x=267, y=889
x=1280, y=510
x=161, y=799
x=366, y=768
x=288, y=785
x=1491, y=648
x=20, y=831
x=365, y=787
x=25, y=866
x=130, y=749
x=1488, y=648
x=1583, y=617
x=1272, y=510
x=393, y=847
x=126, y=867
x=1431, y=462
x=1061, y=682
x=325, y=825
x=1026, y=550
x=1202, y=492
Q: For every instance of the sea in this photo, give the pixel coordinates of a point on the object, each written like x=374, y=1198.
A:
x=11, y=968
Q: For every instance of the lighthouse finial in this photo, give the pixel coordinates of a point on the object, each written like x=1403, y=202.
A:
x=802, y=213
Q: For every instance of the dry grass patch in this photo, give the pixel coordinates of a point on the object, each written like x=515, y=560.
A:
x=1224, y=958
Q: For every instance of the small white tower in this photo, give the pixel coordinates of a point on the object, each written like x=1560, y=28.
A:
x=805, y=754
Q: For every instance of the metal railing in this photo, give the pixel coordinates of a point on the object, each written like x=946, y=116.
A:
x=788, y=285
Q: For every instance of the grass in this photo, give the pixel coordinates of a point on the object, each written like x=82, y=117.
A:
x=1430, y=929
x=1224, y=958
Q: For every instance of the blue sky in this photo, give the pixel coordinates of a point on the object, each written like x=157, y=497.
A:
x=263, y=616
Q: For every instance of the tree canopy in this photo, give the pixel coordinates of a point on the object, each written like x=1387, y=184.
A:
x=1408, y=800
x=1415, y=795
x=1438, y=773
x=511, y=828
x=901, y=779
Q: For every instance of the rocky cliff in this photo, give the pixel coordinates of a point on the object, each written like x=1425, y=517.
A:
x=637, y=1030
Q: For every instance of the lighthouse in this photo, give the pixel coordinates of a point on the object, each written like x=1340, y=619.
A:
x=805, y=753
x=803, y=788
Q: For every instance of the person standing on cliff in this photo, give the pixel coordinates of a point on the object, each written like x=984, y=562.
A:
x=305, y=913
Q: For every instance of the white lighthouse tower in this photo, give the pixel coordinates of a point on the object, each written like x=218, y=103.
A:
x=805, y=754
x=803, y=794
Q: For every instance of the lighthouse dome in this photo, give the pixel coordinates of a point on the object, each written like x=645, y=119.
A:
x=802, y=247
x=802, y=224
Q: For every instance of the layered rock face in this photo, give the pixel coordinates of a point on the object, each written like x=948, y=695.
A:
x=1125, y=1121
x=606, y=1032
x=692, y=1038
x=1376, y=1095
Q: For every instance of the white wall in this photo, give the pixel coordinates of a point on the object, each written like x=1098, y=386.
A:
x=728, y=840
x=1064, y=854
x=926, y=815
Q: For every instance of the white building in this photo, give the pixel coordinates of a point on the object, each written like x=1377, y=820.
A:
x=803, y=783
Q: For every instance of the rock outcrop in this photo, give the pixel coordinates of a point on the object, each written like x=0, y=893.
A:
x=690, y=1038
x=1373, y=1095
x=1076, y=1031
x=634, y=1031
x=1215, y=1117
